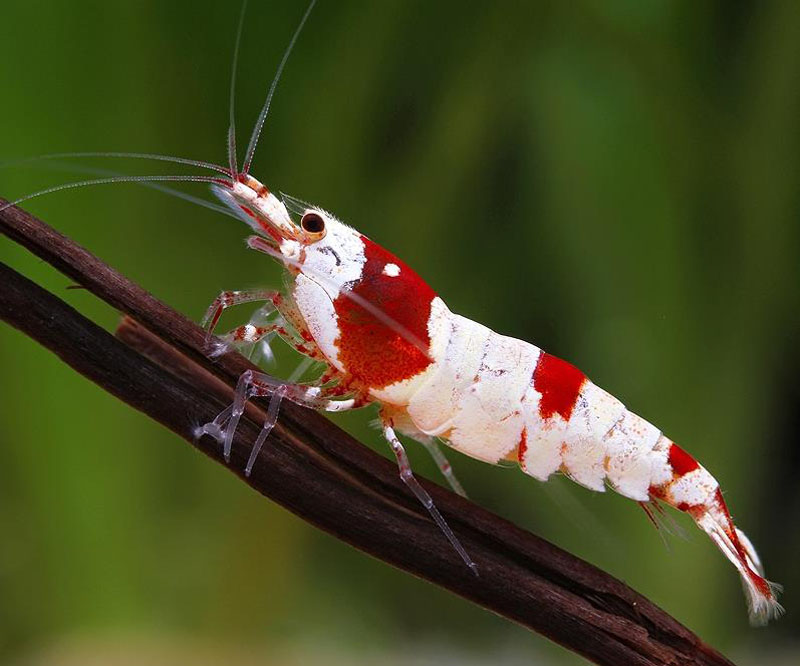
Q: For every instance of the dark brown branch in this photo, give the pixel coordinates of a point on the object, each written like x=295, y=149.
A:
x=324, y=476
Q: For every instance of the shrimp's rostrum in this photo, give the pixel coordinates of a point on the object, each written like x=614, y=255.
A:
x=388, y=338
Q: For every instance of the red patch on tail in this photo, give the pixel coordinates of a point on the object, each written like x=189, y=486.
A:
x=730, y=530
x=761, y=584
x=680, y=461
x=560, y=385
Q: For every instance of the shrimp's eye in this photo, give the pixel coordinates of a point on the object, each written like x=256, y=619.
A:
x=313, y=223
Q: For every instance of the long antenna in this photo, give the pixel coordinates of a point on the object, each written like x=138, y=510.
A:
x=138, y=156
x=232, y=159
x=81, y=168
x=251, y=148
x=118, y=179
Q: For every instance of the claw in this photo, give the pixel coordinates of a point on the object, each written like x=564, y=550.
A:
x=214, y=347
x=211, y=429
x=216, y=429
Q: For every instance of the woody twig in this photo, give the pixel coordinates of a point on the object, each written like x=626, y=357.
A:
x=158, y=366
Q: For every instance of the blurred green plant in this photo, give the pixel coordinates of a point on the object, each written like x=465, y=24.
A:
x=613, y=181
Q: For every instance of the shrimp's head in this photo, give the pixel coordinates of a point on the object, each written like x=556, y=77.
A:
x=319, y=246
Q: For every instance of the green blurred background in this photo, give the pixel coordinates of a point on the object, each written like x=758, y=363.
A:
x=613, y=180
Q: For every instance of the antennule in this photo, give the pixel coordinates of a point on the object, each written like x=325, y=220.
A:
x=232, y=158
x=251, y=147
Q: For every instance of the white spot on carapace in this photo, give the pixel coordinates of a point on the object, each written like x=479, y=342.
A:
x=392, y=270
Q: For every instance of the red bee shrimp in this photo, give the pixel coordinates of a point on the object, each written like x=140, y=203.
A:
x=386, y=338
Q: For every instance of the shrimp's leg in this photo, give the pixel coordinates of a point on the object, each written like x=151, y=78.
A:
x=422, y=495
x=269, y=424
x=249, y=333
x=252, y=333
x=403, y=424
x=443, y=464
x=259, y=326
x=227, y=299
x=252, y=384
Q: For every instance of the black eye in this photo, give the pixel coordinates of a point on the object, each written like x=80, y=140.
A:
x=312, y=223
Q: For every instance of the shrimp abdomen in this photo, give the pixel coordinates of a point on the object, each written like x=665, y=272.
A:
x=474, y=399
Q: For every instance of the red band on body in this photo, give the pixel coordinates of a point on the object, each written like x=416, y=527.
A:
x=560, y=385
x=680, y=461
